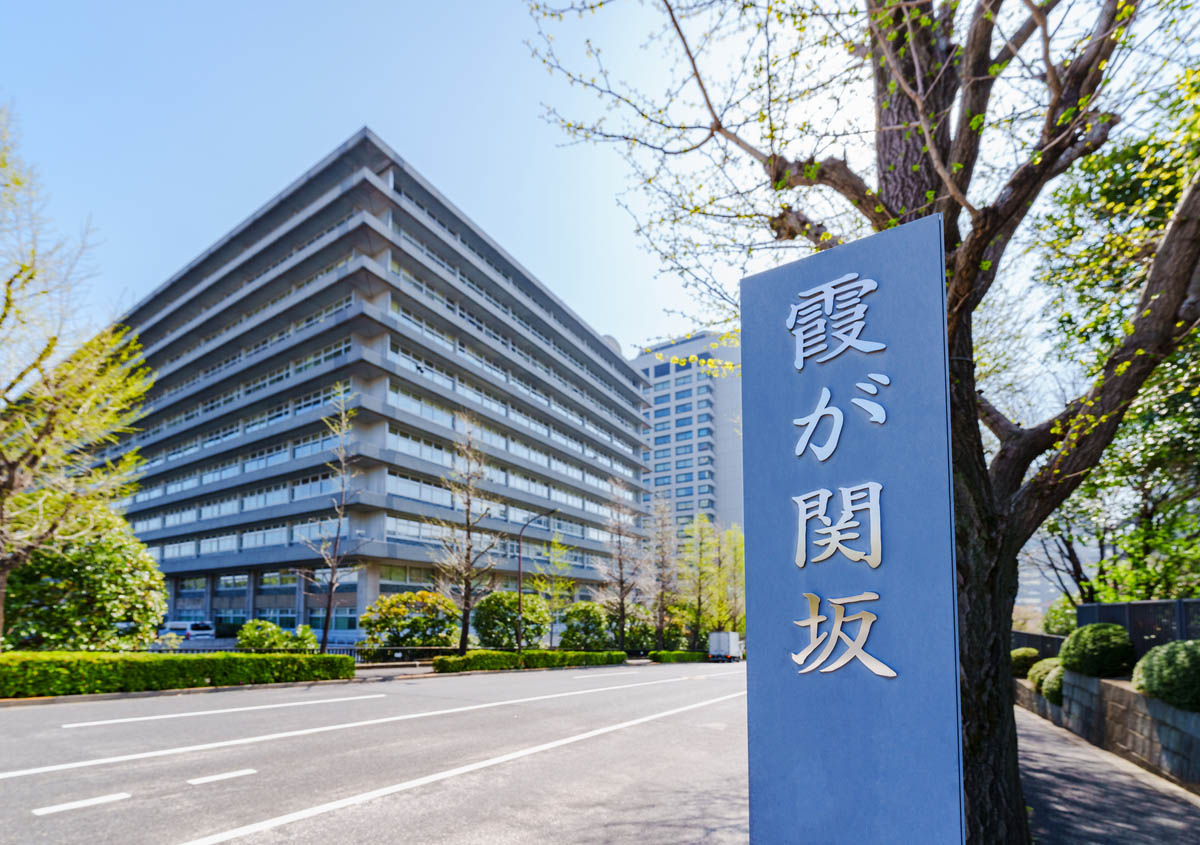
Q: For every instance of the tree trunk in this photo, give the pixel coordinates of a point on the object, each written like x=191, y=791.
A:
x=986, y=568
x=3, y=598
x=328, y=613
x=463, y=636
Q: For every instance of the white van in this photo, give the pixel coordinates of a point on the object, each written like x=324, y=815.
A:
x=190, y=630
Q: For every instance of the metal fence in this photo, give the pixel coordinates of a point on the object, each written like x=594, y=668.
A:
x=361, y=654
x=1047, y=645
x=1149, y=623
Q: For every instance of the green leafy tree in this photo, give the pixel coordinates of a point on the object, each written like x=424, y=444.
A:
x=697, y=580
x=62, y=402
x=420, y=618
x=586, y=627
x=496, y=620
x=766, y=124
x=728, y=606
x=1060, y=616
x=267, y=636
x=553, y=583
x=102, y=591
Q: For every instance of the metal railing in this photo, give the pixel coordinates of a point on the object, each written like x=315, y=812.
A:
x=1149, y=623
x=1047, y=645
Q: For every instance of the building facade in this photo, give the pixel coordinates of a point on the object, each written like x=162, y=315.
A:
x=694, y=451
x=360, y=278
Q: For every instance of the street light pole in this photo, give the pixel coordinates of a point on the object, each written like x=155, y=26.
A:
x=521, y=571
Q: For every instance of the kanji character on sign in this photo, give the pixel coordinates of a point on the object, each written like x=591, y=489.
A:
x=855, y=648
x=832, y=312
x=810, y=423
x=860, y=500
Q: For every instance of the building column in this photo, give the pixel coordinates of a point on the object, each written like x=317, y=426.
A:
x=209, y=581
x=301, y=610
x=251, y=586
x=172, y=585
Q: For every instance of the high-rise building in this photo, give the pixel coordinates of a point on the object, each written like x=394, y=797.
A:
x=361, y=276
x=694, y=449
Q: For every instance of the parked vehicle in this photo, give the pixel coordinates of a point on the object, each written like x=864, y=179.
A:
x=190, y=630
x=724, y=647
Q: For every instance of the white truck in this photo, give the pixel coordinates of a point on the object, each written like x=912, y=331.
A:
x=723, y=647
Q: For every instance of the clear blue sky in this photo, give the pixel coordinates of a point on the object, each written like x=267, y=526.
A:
x=168, y=123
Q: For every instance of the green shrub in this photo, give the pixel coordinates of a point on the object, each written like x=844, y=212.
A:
x=476, y=660
x=264, y=634
x=1052, y=686
x=1103, y=650
x=679, y=656
x=34, y=673
x=100, y=591
x=420, y=618
x=495, y=620
x=1060, y=617
x=1022, y=660
x=1171, y=673
x=549, y=659
x=1038, y=672
x=586, y=627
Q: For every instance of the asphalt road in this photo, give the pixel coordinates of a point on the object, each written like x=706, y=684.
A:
x=653, y=754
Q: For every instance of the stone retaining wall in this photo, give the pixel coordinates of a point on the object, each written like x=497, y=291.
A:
x=1112, y=715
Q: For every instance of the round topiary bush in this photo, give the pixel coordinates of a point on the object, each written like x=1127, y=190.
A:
x=1022, y=660
x=585, y=627
x=1052, y=686
x=1103, y=650
x=495, y=620
x=1039, y=671
x=1171, y=673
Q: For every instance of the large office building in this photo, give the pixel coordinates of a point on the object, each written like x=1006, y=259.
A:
x=694, y=452
x=361, y=277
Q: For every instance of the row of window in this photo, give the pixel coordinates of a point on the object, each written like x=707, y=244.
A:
x=399, y=396
x=264, y=497
x=313, y=531
x=500, y=374
x=424, y=408
x=299, y=365
x=259, y=459
x=274, y=338
x=415, y=531
x=457, y=273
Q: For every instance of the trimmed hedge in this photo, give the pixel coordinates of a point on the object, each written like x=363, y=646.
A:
x=1052, y=686
x=679, y=656
x=1038, y=672
x=1023, y=660
x=474, y=661
x=35, y=673
x=546, y=659
x=1103, y=650
x=1171, y=673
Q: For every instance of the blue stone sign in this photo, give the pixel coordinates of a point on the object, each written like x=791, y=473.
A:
x=852, y=639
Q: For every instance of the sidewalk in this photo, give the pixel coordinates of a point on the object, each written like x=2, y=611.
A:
x=1083, y=794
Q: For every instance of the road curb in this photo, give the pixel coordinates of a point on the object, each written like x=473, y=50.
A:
x=114, y=696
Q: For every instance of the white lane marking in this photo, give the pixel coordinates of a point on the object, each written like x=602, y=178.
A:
x=223, y=776
x=164, y=752
x=606, y=674
x=222, y=710
x=74, y=805
x=268, y=824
